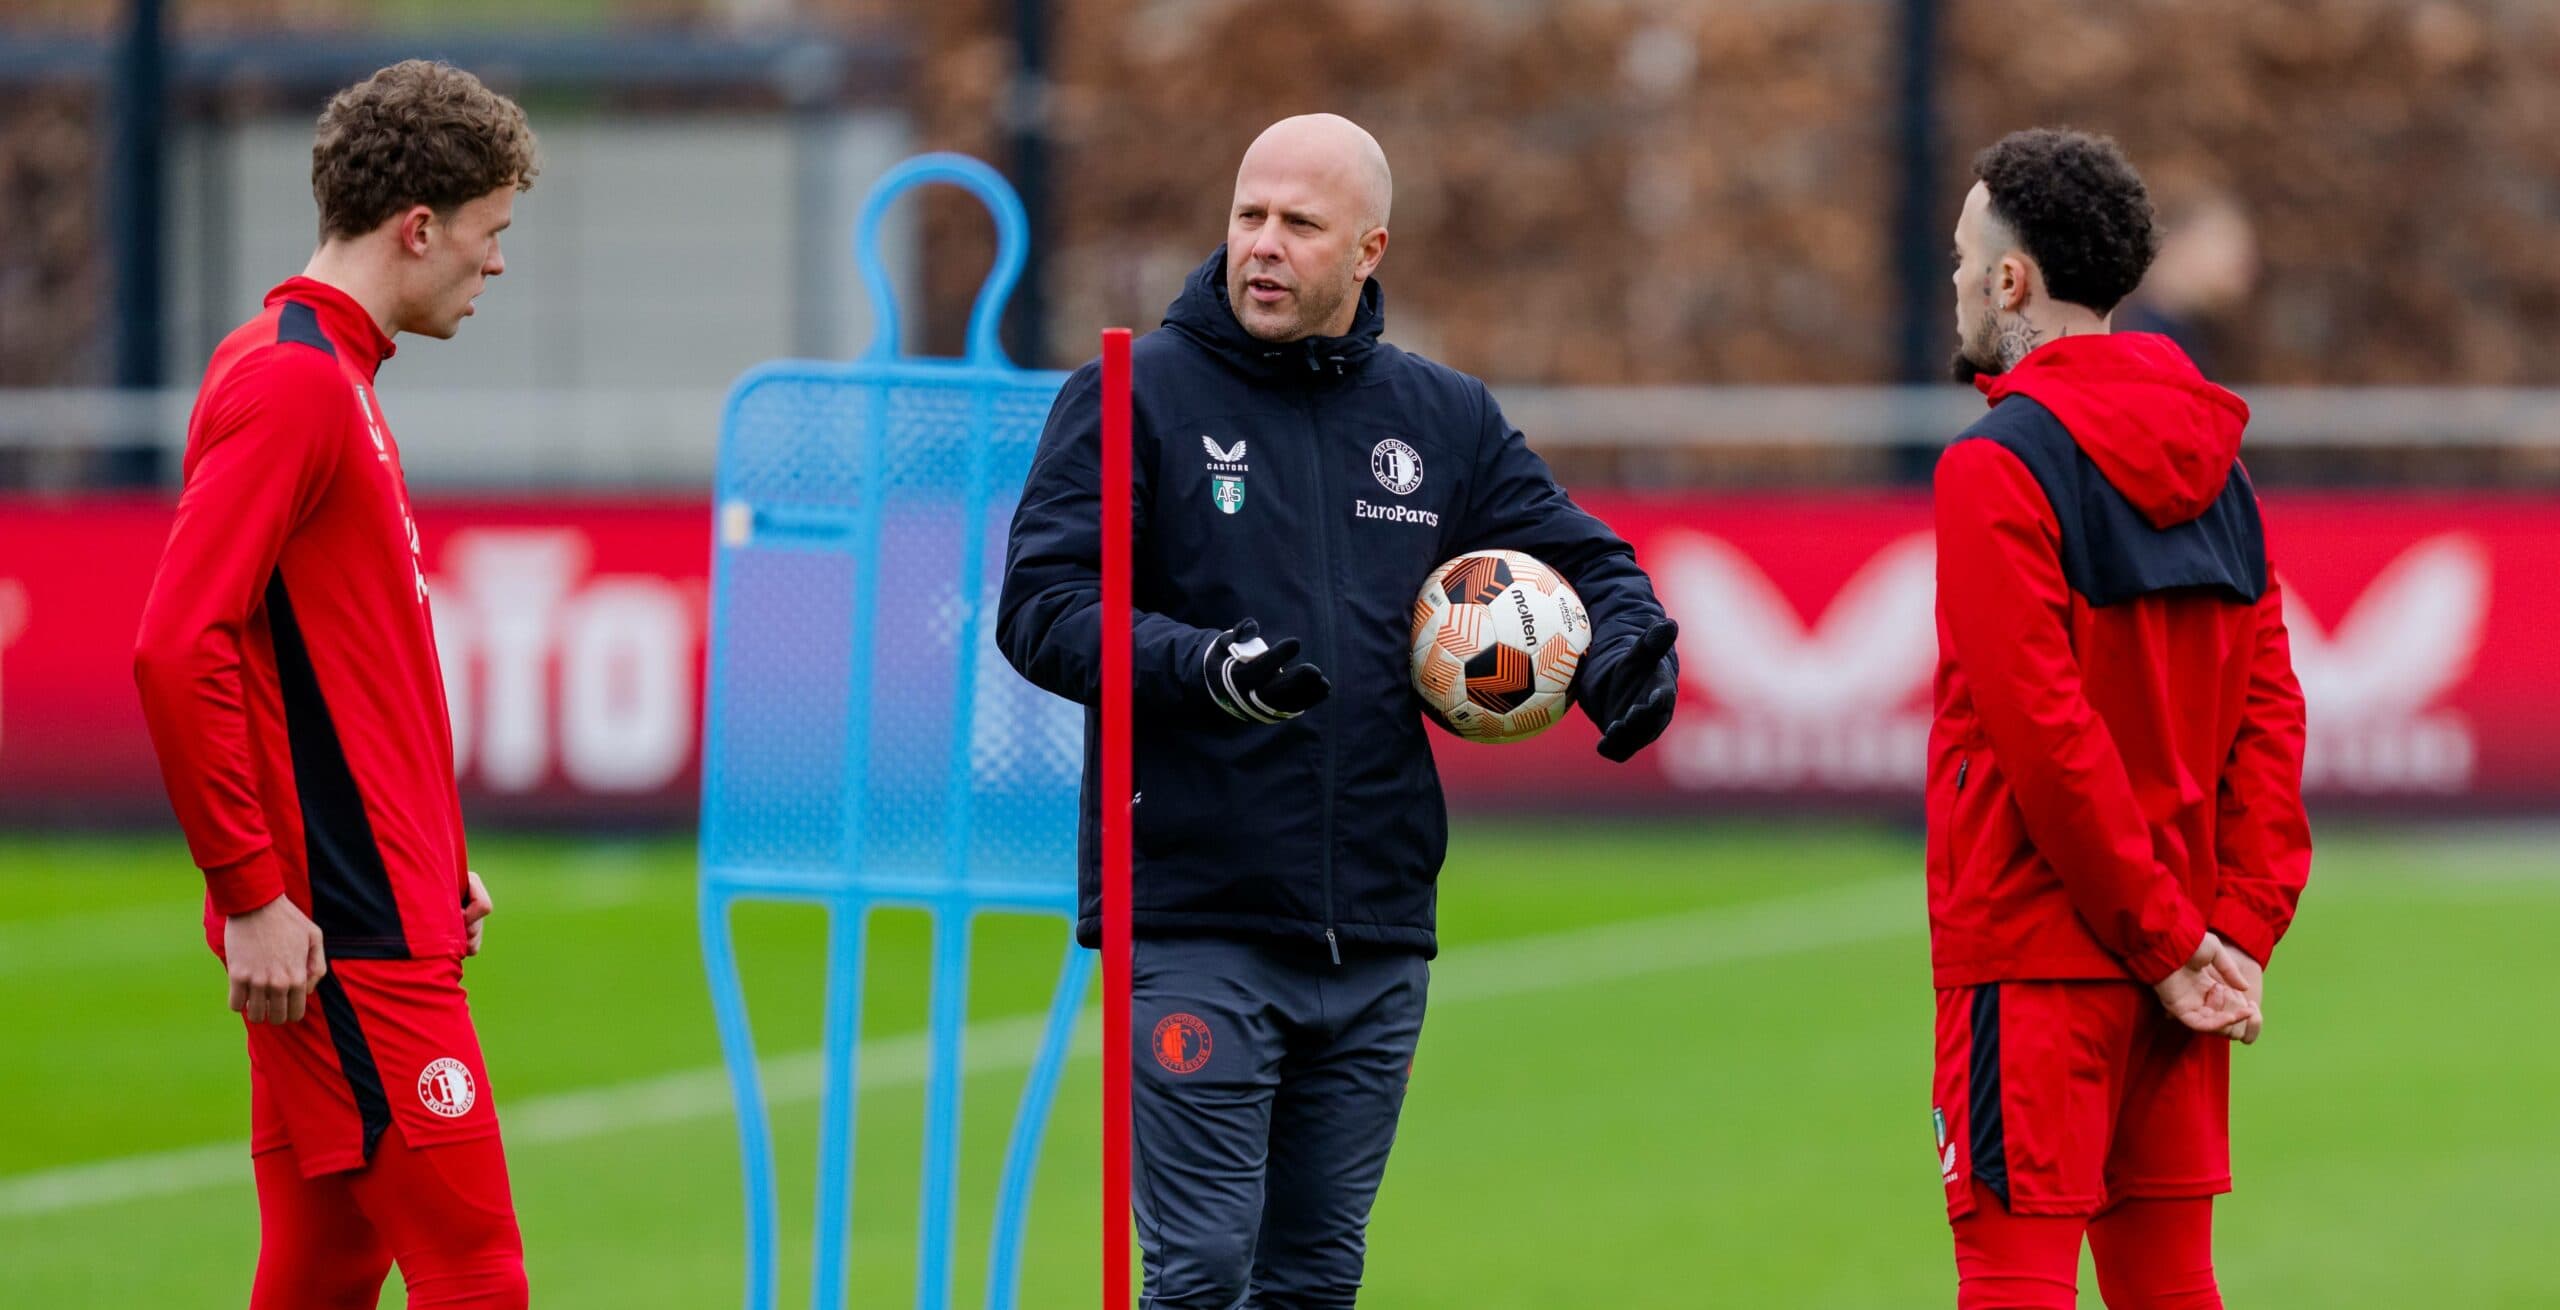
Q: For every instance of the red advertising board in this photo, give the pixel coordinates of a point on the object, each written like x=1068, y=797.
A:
x=2426, y=631
x=570, y=634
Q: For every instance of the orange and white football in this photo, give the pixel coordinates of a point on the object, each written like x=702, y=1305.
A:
x=1497, y=636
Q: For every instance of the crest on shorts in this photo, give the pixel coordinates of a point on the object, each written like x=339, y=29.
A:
x=447, y=1090
x=1181, y=1043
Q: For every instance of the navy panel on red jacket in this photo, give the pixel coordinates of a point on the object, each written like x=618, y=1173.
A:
x=287, y=661
x=2116, y=760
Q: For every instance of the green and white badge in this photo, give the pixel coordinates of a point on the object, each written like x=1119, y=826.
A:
x=1226, y=474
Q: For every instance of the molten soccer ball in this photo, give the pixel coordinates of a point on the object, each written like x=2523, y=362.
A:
x=1496, y=638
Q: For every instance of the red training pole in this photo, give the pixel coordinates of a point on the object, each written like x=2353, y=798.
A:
x=1115, y=803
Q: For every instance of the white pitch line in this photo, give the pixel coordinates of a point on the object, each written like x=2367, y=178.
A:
x=1862, y=912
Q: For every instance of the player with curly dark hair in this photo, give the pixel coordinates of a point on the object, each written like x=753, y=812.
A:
x=287, y=665
x=2116, y=831
x=2056, y=232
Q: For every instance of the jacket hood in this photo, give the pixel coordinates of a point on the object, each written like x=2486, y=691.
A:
x=2135, y=403
x=1203, y=314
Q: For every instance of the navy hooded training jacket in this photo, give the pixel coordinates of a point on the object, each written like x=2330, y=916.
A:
x=1311, y=485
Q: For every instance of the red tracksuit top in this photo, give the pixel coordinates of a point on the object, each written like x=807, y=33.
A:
x=287, y=660
x=2116, y=760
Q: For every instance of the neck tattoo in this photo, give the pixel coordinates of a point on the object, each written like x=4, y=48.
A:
x=2016, y=338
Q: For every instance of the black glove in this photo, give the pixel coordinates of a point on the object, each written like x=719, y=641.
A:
x=1633, y=698
x=1256, y=682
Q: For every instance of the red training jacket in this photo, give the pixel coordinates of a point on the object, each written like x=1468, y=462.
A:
x=286, y=660
x=2116, y=761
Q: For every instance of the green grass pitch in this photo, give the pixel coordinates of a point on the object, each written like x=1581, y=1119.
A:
x=1665, y=1066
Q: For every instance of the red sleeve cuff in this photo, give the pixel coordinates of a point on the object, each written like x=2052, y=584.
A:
x=2170, y=952
x=2239, y=928
x=245, y=884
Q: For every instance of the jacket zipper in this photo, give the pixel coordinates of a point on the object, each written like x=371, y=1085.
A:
x=1943, y=835
x=1325, y=643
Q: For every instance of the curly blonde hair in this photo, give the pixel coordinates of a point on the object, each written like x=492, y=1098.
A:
x=416, y=133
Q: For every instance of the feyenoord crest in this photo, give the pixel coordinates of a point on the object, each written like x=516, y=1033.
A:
x=1182, y=1043
x=1226, y=469
x=446, y=1088
x=1398, y=467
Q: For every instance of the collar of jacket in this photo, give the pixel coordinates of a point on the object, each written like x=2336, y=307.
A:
x=2161, y=434
x=346, y=322
x=1203, y=314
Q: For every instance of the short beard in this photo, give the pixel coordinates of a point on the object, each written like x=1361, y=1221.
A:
x=1977, y=356
x=1313, y=317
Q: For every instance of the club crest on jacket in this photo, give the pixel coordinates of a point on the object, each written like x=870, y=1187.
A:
x=1226, y=474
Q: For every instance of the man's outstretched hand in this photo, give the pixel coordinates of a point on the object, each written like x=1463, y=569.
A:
x=1261, y=682
x=2204, y=998
x=1632, y=699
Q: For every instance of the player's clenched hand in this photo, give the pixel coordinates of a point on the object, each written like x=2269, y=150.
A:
x=1632, y=700
x=2201, y=996
x=275, y=958
x=1261, y=682
x=2251, y=978
x=475, y=911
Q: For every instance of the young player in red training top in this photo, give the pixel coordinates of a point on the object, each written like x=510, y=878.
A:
x=2116, y=832
x=288, y=672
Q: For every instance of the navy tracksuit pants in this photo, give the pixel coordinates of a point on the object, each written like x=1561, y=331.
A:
x=1264, y=1098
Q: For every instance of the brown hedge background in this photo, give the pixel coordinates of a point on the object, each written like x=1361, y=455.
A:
x=1633, y=191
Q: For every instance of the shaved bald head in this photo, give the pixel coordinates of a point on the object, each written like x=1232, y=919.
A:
x=1334, y=149
x=1308, y=226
